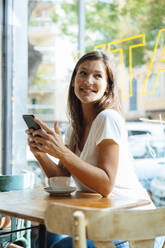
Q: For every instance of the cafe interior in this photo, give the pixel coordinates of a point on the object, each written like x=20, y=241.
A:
x=40, y=43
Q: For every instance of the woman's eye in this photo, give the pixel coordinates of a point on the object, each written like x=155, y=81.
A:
x=83, y=73
x=98, y=76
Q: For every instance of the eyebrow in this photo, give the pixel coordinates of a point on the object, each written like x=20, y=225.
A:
x=84, y=68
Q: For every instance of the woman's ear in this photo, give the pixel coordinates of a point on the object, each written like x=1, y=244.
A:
x=73, y=84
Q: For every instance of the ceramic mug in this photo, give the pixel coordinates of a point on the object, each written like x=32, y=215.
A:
x=59, y=182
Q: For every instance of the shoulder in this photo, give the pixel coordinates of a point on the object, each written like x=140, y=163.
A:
x=108, y=125
x=109, y=115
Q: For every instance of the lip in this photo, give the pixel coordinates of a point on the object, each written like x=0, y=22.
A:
x=87, y=90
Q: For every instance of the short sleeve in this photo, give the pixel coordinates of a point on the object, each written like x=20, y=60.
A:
x=68, y=134
x=108, y=126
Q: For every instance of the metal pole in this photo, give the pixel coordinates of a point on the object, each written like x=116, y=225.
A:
x=7, y=89
x=81, y=26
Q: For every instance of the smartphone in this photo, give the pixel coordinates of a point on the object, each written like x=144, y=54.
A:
x=29, y=119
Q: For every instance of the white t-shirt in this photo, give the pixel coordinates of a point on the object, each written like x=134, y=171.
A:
x=109, y=124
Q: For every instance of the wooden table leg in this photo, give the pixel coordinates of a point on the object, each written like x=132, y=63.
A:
x=42, y=236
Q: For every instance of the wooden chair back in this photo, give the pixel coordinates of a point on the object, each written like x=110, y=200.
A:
x=139, y=227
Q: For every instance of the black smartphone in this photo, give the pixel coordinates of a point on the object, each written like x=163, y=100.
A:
x=29, y=119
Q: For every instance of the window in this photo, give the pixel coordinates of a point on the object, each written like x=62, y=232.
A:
x=133, y=98
x=152, y=80
x=42, y=53
x=34, y=100
x=137, y=132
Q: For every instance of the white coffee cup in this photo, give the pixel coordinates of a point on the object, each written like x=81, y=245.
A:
x=59, y=182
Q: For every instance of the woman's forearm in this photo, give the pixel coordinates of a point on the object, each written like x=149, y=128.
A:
x=50, y=168
x=92, y=176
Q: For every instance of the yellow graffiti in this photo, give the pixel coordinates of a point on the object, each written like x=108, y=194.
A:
x=102, y=46
x=163, y=55
x=77, y=55
x=120, y=50
x=130, y=58
x=162, y=59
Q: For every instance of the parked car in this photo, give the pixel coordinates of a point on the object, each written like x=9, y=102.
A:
x=149, y=139
x=147, y=146
x=158, y=189
x=143, y=128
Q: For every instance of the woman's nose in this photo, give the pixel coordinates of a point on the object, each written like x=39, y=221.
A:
x=90, y=79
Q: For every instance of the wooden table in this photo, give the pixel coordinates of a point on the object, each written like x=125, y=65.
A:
x=30, y=204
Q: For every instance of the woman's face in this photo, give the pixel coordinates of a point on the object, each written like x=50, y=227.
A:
x=90, y=82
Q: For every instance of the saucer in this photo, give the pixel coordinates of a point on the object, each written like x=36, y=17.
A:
x=60, y=191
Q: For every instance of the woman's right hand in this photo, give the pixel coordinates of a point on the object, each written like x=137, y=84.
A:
x=32, y=145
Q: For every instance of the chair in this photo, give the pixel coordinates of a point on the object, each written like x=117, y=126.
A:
x=139, y=227
x=16, y=182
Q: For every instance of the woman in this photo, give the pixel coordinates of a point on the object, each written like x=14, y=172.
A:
x=96, y=150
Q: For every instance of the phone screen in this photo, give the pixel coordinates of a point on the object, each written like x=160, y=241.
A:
x=29, y=119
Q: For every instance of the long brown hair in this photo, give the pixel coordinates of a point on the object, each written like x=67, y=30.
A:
x=110, y=99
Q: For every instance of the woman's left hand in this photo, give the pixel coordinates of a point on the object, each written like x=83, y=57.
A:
x=49, y=141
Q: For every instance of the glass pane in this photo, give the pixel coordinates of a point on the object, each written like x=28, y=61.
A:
x=51, y=42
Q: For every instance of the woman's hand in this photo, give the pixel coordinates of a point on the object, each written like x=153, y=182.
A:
x=33, y=148
x=46, y=141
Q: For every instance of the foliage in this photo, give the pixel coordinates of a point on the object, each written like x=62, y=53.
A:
x=146, y=16
x=55, y=17
x=32, y=22
x=67, y=19
x=38, y=80
x=107, y=22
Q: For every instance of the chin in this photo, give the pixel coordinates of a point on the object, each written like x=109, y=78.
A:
x=89, y=102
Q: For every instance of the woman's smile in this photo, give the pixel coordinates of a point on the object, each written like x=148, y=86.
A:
x=87, y=91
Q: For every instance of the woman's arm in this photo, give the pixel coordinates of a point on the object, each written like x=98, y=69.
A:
x=100, y=178
x=50, y=168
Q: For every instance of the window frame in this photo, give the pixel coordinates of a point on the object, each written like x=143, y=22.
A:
x=14, y=74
